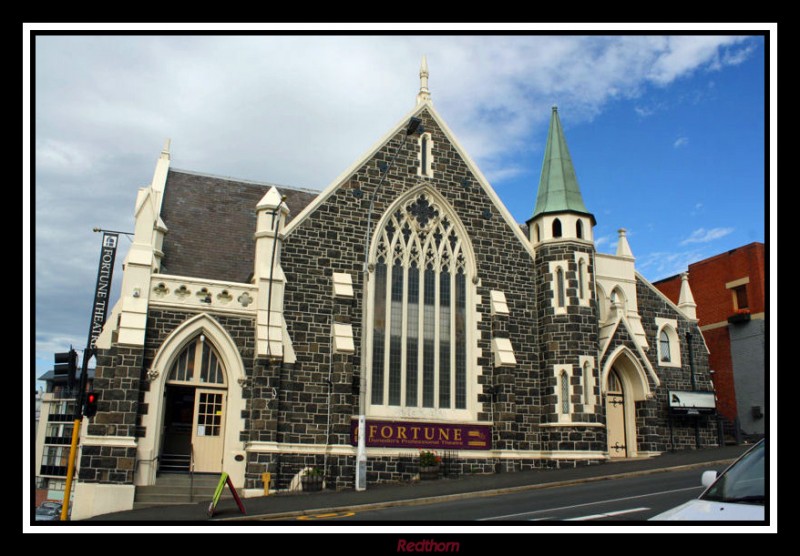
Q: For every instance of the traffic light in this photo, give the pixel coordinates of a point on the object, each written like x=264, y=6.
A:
x=66, y=364
x=90, y=408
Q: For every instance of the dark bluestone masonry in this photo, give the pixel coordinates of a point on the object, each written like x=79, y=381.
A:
x=245, y=324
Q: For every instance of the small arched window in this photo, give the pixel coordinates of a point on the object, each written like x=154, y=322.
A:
x=564, y=379
x=617, y=298
x=560, y=286
x=664, y=349
x=579, y=229
x=536, y=233
x=425, y=155
x=556, y=228
x=614, y=384
x=581, y=284
x=587, y=384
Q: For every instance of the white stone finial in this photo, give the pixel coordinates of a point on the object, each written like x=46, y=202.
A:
x=623, y=249
x=165, y=150
x=272, y=199
x=686, y=299
x=424, y=94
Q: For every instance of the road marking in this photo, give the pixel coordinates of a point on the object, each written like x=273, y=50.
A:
x=590, y=503
x=609, y=514
x=326, y=516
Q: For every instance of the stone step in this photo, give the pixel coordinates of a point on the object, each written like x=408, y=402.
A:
x=179, y=488
x=185, y=479
x=158, y=498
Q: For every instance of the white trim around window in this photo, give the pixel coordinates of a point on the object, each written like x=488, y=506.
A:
x=425, y=155
x=421, y=334
x=560, y=300
x=588, y=383
x=563, y=387
x=667, y=330
x=584, y=283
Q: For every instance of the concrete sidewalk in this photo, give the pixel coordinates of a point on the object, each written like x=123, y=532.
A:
x=290, y=505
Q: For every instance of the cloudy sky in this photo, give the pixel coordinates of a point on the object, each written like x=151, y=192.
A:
x=667, y=133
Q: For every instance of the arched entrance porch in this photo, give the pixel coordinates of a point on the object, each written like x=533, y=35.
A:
x=623, y=383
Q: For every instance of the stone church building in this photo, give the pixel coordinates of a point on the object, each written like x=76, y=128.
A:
x=256, y=323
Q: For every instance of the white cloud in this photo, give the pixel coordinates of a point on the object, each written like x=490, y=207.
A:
x=701, y=235
x=680, y=142
x=662, y=264
x=682, y=55
x=599, y=241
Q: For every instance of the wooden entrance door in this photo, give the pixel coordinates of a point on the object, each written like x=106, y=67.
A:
x=615, y=417
x=208, y=430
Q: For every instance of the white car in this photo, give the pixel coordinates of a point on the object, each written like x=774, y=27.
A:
x=736, y=495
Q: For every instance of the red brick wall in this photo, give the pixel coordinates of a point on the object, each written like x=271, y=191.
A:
x=707, y=280
x=719, y=360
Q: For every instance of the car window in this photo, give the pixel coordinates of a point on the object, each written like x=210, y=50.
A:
x=743, y=482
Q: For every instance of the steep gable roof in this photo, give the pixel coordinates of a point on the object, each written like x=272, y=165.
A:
x=211, y=221
x=424, y=105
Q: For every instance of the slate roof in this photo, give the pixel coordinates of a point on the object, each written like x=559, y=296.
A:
x=211, y=221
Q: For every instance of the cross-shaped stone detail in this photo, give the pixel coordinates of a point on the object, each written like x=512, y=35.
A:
x=182, y=292
x=245, y=299
x=422, y=211
x=161, y=290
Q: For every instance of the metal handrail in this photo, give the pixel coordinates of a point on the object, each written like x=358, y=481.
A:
x=191, y=472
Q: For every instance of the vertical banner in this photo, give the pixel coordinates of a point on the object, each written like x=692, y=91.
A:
x=102, y=290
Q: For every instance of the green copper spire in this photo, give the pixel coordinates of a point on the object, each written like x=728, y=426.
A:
x=558, y=185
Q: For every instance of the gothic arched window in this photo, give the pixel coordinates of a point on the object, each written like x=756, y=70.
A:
x=198, y=363
x=588, y=398
x=564, y=379
x=664, y=352
x=419, y=320
x=560, y=287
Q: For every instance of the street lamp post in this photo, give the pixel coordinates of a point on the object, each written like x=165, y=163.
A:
x=414, y=125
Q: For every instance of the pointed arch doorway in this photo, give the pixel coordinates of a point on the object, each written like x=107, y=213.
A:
x=625, y=382
x=194, y=410
x=615, y=416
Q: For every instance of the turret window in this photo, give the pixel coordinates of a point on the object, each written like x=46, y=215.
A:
x=579, y=229
x=556, y=228
x=563, y=389
x=560, y=287
x=558, y=284
x=588, y=398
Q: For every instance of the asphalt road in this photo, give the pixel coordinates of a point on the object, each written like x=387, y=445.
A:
x=629, y=499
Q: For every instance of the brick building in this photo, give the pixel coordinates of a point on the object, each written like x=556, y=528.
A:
x=729, y=291
x=250, y=335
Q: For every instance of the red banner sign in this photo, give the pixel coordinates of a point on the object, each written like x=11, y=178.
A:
x=413, y=434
